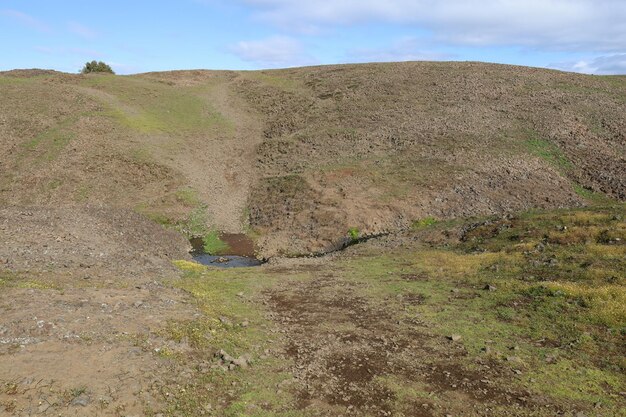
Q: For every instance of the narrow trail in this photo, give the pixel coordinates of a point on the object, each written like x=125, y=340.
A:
x=221, y=167
x=219, y=163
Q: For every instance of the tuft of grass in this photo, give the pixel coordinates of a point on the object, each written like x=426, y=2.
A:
x=425, y=222
x=213, y=245
x=188, y=196
x=353, y=234
x=188, y=266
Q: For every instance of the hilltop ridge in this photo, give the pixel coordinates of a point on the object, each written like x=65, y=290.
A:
x=297, y=157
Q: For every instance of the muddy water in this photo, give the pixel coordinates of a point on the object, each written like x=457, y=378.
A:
x=240, y=252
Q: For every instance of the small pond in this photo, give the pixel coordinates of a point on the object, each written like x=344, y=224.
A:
x=240, y=252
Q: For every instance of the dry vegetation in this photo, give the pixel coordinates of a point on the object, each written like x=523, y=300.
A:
x=496, y=287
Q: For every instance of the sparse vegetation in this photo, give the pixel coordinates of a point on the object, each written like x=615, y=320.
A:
x=548, y=151
x=425, y=222
x=486, y=295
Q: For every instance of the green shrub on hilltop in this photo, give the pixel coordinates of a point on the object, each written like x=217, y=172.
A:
x=96, y=66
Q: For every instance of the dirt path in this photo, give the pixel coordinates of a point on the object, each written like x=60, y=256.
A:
x=349, y=349
x=219, y=163
x=222, y=168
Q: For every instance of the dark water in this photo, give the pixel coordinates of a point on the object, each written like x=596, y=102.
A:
x=240, y=252
x=226, y=261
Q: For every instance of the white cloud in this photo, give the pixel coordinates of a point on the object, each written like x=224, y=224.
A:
x=602, y=65
x=273, y=52
x=25, y=19
x=546, y=24
x=407, y=49
x=81, y=30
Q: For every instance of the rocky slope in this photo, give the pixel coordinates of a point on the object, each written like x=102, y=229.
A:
x=298, y=157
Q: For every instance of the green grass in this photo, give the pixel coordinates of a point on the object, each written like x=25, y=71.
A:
x=217, y=295
x=548, y=151
x=570, y=312
x=49, y=144
x=425, y=222
x=591, y=196
x=188, y=196
x=213, y=245
x=353, y=234
x=148, y=106
x=576, y=304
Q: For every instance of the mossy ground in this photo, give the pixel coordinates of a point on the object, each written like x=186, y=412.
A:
x=553, y=323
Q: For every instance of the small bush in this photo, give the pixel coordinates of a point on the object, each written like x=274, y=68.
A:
x=353, y=233
x=428, y=221
x=97, y=66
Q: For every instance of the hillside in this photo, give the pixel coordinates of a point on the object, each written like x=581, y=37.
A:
x=297, y=157
x=487, y=201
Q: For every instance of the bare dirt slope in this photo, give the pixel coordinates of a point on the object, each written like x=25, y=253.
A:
x=162, y=148
x=82, y=307
x=102, y=179
x=376, y=147
x=304, y=155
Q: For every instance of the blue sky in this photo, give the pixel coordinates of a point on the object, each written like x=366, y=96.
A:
x=138, y=36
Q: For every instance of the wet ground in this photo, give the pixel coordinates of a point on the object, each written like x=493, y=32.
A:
x=226, y=261
x=240, y=252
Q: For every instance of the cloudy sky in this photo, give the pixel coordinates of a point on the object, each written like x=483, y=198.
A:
x=135, y=35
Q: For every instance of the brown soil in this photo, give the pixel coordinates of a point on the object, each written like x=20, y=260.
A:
x=82, y=308
x=342, y=345
x=303, y=155
x=294, y=158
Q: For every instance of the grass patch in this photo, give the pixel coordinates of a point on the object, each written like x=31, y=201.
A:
x=591, y=196
x=50, y=143
x=422, y=223
x=213, y=245
x=223, y=298
x=148, y=106
x=558, y=278
x=547, y=151
x=188, y=196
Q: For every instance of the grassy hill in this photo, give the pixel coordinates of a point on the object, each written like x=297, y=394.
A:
x=299, y=157
x=495, y=286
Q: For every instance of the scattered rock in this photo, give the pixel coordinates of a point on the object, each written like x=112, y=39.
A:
x=241, y=362
x=82, y=400
x=455, y=337
x=489, y=287
x=551, y=359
